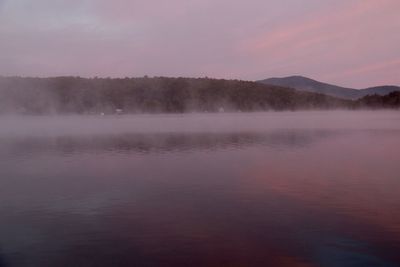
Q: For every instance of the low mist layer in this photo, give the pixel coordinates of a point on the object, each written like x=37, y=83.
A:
x=196, y=123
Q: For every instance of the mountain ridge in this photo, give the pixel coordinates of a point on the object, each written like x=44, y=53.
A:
x=302, y=83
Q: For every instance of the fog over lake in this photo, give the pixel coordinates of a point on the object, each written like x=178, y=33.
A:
x=312, y=188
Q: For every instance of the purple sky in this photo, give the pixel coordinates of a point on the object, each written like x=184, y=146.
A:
x=353, y=43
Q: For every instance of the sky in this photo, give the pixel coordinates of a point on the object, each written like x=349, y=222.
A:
x=353, y=43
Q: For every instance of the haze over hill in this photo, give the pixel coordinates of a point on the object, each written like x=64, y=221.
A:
x=63, y=95
x=158, y=94
x=309, y=85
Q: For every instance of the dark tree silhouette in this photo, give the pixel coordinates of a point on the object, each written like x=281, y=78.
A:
x=160, y=94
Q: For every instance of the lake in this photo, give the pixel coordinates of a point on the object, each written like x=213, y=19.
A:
x=317, y=188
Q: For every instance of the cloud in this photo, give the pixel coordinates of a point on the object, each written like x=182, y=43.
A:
x=330, y=40
x=219, y=38
x=381, y=72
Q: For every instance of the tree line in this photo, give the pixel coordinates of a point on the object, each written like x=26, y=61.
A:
x=63, y=95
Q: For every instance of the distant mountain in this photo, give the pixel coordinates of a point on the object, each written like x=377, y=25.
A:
x=309, y=85
x=380, y=90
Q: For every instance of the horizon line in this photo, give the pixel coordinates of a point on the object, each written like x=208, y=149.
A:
x=186, y=77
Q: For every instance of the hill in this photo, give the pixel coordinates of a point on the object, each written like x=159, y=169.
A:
x=380, y=90
x=130, y=95
x=309, y=85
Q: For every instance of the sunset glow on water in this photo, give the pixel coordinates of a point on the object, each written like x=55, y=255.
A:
x=255, y=190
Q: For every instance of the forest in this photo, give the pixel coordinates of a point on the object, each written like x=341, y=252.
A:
x=69, y=95
x=389, y=101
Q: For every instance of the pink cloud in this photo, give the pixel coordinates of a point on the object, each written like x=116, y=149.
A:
x=242, y=39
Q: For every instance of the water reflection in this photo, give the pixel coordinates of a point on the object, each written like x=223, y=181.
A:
x=300, y=197
x=159, y=142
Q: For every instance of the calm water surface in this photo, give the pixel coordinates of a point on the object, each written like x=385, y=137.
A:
x=261, y=189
